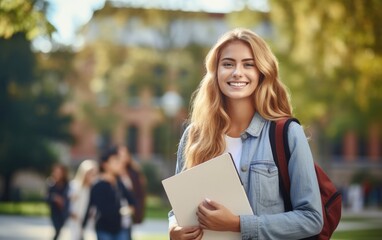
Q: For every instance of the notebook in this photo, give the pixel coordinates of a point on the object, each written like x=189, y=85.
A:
x=216, y=179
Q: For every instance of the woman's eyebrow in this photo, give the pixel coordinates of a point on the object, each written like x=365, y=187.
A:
x=227, y=59
x=231, y=59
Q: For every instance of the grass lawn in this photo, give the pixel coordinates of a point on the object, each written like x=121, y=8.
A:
x=152, y=237
x=373, y=231
x=359, y=234
x=156, y=209
x=24, y=208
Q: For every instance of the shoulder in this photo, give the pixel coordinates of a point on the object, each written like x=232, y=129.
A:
x=296, y=137
x=296, y=130
x=184, y=137
x=186, y=130
x=100, y=184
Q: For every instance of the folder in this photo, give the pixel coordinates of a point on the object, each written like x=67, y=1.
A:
x=216, y=179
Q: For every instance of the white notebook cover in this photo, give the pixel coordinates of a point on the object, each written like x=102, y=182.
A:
x=216, y=179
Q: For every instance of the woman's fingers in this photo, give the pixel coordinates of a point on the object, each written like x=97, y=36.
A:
x=195, y=234
x=186, y=233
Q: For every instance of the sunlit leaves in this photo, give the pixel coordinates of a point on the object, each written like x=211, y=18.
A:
x=335, y=47
x=22, y=16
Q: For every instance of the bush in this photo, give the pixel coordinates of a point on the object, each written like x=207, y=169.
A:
x=154, y=184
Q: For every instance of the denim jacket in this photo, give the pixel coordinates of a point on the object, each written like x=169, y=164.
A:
x=259, y=175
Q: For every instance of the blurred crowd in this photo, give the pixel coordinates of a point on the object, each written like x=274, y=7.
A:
x=107, y=195
x=357, y=197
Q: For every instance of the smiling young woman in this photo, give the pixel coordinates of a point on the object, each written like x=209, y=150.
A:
x=232, y=111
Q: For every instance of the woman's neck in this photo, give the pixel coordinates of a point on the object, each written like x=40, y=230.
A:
x=241, y=113
x=109, y=177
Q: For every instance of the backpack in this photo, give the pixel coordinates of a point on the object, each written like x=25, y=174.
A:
x=330, y=197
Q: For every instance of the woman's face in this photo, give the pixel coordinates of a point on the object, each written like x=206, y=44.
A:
x=90, y=176
x=113, y=165
x=58, y=173
x=237, y=73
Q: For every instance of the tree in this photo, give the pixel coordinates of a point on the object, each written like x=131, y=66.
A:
x=25, y=16
x=29, y=103
x=332, y=51
x=330, y=55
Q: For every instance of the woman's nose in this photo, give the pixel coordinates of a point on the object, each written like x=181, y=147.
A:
x=237, y=73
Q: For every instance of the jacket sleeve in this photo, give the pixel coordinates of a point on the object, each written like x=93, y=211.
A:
x=306, y=218
x=179, y=167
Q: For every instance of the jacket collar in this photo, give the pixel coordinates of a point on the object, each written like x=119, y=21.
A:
x=256, y=125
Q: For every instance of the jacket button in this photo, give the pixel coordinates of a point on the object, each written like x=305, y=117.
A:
x=244, y=168
x=244, y=136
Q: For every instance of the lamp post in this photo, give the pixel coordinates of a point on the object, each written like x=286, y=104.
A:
x=171, y=103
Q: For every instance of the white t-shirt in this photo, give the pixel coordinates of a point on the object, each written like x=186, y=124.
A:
x=234, y=146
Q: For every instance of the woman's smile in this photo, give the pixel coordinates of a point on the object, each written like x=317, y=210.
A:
x=239, y=85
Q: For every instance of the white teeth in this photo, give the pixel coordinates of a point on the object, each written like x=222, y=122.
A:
x=237, y=84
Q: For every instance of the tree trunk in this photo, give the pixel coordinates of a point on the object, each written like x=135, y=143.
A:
x=6, y=197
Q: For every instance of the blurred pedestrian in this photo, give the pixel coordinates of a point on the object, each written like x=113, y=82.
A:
x=134, y=180
x=58, y=198
x=106, y=196
x=79, y=193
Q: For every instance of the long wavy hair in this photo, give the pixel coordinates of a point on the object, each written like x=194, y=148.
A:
x=209, y=120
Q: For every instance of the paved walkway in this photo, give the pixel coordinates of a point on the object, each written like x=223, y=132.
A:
x=39, y=228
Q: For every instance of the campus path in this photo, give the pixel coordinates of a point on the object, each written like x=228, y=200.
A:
x=39, y=228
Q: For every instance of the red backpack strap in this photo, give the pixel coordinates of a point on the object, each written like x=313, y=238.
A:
x=278, y=136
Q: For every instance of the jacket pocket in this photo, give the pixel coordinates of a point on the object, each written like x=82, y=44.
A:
x=264, y=183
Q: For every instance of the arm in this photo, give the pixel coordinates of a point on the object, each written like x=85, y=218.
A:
x=175, y=231
x=306, y=218
x=126, y=193
x=90, y=204
x=178, y=169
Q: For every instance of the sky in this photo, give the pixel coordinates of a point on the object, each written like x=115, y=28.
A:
x=68, y=15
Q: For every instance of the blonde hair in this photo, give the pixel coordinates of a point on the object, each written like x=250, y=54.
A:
x=209, y=120
x=83, y=169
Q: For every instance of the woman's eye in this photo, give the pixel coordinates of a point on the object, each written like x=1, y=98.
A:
x=227, y=64
x=249, y=64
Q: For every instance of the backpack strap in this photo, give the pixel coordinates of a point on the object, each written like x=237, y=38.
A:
x=278, y=136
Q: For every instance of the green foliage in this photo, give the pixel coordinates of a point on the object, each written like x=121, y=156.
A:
x=154, y=185
x=31, y=117
x=26, y=16
x=330, y=53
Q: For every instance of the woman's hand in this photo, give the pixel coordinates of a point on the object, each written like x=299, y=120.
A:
x=216, y=217
x=59, y=201
x=185, y=233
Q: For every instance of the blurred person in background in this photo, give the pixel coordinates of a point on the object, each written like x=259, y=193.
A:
x=106, y=196
x=134, y=180
x=79, y=193
x=58, y=198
